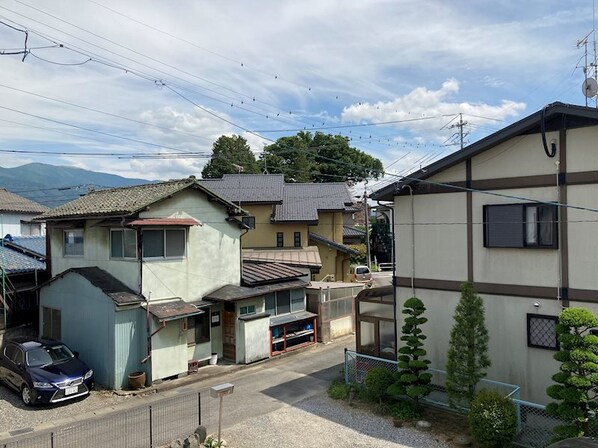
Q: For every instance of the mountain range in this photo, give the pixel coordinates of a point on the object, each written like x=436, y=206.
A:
x=54, y=185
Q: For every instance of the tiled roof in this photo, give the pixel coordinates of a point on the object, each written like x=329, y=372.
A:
x=34, y=244
x=303, y=201
x=10, y=202
x=125, y=201
x=231, y=293
x=352, y=231
x=14, y=262
x=307, y=257
x=327, y=242
x=261, y=273
x=248, y=188
x=296, y=202
x=120, y=293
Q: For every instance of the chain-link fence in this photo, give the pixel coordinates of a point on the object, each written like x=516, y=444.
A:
x=535, y=426
x=148, y=426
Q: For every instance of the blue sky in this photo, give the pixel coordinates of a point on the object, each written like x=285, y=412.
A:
x=171, y=77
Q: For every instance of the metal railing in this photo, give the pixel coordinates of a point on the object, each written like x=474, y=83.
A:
x=147, y=426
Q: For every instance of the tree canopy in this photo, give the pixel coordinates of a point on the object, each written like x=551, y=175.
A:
x=319, y=158
x=228, y=152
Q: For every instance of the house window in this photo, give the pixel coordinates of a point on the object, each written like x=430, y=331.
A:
x=31, y=228
x=541, y=331
x=279, y=239
x=51, y=327
x=198, y=329
x=73, y=243
x=520, y=225
x=247, y=310
x=164, y=243
x=123, y=243
x=297, y=241
x=297, y=300
x=284, y=302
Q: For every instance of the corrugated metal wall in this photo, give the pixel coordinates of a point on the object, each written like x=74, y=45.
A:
x=129, y=345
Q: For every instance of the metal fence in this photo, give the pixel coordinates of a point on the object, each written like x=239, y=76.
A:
x=535, y=426
x=148, y=426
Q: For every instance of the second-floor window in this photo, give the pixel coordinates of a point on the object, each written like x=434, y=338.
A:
x=520, y=225
x=73, y=243
x=123, y=243
x=297, y=239
x=279, y=239
x=164, y=243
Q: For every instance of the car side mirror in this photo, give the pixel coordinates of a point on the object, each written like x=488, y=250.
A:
x=76, y=353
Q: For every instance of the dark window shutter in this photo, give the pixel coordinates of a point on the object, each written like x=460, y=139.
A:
x=504, y=226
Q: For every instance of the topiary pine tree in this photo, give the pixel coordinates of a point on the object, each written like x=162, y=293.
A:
x=468, y=348
x=577, y=381
x=413, y=380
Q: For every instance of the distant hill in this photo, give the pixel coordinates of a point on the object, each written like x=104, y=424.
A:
x=53, y=185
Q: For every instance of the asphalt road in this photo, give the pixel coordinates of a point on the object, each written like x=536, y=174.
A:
x=383, y=278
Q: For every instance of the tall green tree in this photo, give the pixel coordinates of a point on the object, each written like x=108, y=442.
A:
x=468, y=348
x=228, y=152
x=413, y=378
x=576, y=387
x=319, y=157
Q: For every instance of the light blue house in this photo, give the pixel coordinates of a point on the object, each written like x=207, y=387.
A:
x=129, y=270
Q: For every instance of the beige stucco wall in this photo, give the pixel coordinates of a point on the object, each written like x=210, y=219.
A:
x=341, y=327
x=513, y=361
x=578, y=159
x=439, y=229
x=520, y=156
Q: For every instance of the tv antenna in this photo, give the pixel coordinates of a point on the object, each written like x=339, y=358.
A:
x=589, y=87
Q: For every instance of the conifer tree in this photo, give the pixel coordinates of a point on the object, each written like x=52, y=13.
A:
x=468, y=348
x=577, y=380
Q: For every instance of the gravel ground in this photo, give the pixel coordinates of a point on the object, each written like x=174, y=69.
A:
x=320, y=421
x=15, y=415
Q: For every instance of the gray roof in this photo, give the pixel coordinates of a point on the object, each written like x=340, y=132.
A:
x=10, y=202
x=14, y=262
x=120, y=293
x=32, y=244
x=248, y=188
x=230, y=293
x=302, y=202
x=126, y=201
x=327, y=242
x=295, y=202
x=261, y=273
x=554, y=116
x=352, y=231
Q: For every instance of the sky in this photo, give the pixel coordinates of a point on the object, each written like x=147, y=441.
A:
x=143, y=88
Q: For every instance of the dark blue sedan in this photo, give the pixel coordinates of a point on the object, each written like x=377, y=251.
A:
x=43, y=371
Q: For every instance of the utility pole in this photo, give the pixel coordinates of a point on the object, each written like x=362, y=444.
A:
x=462, y=134
x=367, y=224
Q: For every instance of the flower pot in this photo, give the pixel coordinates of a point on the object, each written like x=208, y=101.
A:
x=214, y=359
x=136, y=380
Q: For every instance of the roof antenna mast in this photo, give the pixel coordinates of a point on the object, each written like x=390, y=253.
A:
x=589, y=87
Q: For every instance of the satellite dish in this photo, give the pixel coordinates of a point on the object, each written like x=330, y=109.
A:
x=590, y=88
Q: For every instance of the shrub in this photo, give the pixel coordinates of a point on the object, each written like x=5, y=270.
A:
x=377, y=381
x=492, y=419
x=405, y=410
x=338, y=390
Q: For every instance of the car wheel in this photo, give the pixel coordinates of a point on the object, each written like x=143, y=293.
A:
x=26, y=395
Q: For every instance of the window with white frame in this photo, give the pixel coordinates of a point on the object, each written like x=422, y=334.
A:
x=541, y=331
x=521, y=225
x=247, y=310
x=73, y=242
x=164, y=243
x=123, y=243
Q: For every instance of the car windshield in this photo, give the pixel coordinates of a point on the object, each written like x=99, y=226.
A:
x=48, y=355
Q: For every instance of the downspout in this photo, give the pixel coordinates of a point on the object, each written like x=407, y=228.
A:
x=412, y=240
x=149, y=353
x=147, y=299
